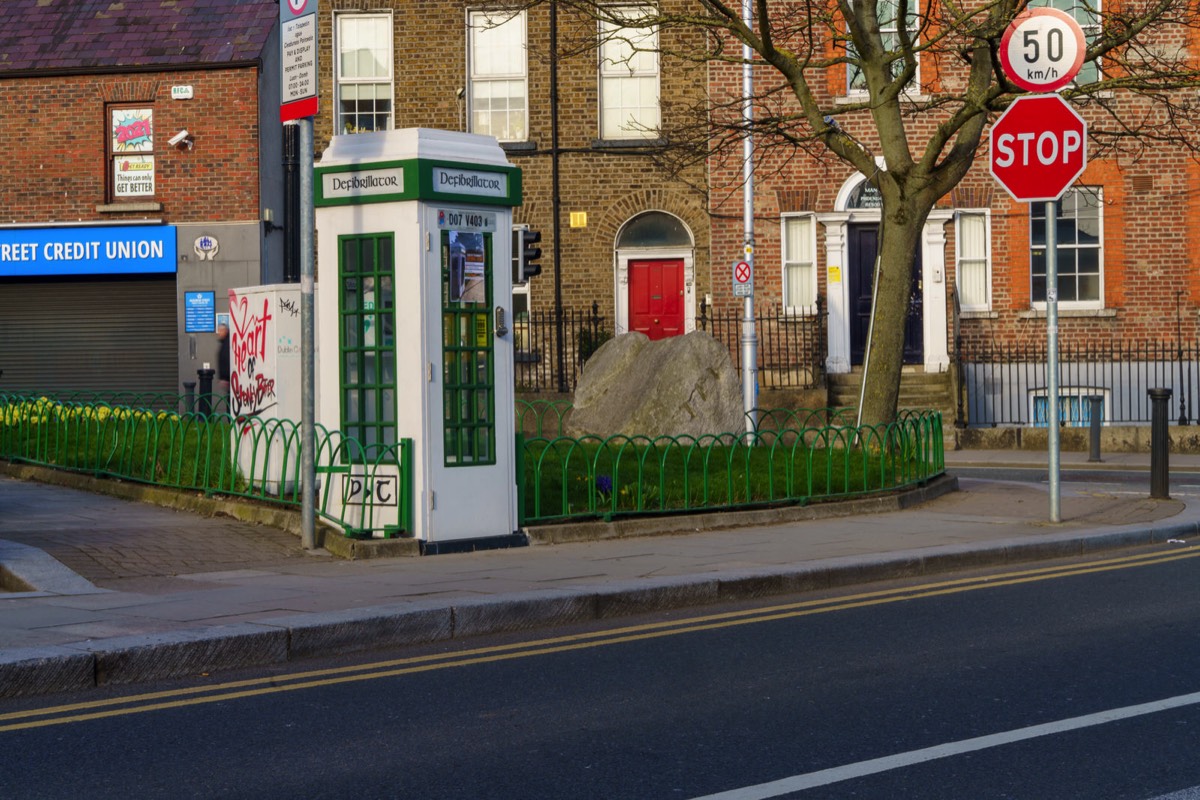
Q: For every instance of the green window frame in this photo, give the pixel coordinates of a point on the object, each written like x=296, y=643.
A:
x=367, y=343
x=468, y=350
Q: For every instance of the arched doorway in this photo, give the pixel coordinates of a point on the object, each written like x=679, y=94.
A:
x=852, y=247
x=863, y=248
x=655, y=276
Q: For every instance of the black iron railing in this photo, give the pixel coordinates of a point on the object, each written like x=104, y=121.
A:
x=536, y=340
x=1006, y=384
x=791, y=346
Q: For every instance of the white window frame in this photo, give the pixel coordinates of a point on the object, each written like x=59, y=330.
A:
x=342, y=81
x=1074, y=407
x=1098, y=303
x=885, y=30
x=483, y=21
x=789, y=260
x=961, y=257
x=612, y=74
x=1089, y=20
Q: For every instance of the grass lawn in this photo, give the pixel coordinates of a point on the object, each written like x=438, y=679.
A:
x=568, y=477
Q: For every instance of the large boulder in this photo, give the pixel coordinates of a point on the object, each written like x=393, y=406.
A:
x=679, y=385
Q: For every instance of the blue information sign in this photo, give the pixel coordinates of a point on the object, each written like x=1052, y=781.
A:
x=115, y=250
x=199, y=312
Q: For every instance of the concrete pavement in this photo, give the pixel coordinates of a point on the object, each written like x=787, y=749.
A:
x=107, y=591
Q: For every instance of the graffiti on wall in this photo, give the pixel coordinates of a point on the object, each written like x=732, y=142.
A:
x=252, y=367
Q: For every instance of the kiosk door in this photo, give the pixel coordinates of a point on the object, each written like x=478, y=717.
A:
x=471, y=382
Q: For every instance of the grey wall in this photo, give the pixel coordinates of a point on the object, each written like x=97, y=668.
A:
x=236, y=264
x=270, y=155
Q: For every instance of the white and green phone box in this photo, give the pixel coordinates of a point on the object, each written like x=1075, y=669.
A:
x=417, y=224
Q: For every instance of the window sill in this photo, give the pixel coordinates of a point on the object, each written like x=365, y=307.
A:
x=518, y=147
x=978, y=314
x=798, y=314
x=856, y=99
x=627, y=144
x=118, y=208
x=1080, y=313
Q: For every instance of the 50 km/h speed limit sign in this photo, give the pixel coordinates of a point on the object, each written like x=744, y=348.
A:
x=1042, y=50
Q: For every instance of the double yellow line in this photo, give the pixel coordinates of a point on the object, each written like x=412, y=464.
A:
x=257, y=687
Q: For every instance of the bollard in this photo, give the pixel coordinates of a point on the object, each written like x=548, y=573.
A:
x=189, y=397
x=1094, y=401
x=206, y=380
x=1159, y=443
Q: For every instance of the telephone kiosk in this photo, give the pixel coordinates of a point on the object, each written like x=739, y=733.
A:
x=417, y=225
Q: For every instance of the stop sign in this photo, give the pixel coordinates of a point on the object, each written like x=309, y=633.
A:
x=1038, y=147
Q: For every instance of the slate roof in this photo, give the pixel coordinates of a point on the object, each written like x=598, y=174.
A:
x=85, y=35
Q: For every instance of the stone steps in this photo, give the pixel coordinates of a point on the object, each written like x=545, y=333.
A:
x=918, y=390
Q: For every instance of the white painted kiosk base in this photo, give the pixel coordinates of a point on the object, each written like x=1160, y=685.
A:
x=414, y=249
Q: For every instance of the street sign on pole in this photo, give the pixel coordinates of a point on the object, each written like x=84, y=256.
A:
x=1038, y=148
x=1042, y=49
x=298, y=101
x=297, y=59
x=743, y=279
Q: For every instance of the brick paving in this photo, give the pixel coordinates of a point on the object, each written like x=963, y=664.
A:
x=108, y=540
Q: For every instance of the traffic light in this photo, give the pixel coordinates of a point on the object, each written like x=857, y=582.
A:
x=530, y=253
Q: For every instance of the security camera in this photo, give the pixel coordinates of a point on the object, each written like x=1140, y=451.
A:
x=178, y=138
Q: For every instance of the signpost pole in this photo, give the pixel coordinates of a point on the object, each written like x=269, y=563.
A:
x=1052, y=444
x=308, y=476
x=299, y=101
x=749, y=335
x=1042, y=50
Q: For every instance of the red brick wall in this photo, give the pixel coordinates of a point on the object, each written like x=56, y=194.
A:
x=55, y=168
x=1150, y=246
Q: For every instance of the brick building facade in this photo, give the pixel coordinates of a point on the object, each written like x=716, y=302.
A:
x=1126, y=253
x=443, y=64
x=143, y=142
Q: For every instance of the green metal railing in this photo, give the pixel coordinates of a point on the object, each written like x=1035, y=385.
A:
x=165, y=444
x=791, y=457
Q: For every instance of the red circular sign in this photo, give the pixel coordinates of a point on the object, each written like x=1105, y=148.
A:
x=1042, y=49
x=741, y=272
x=1038, y=147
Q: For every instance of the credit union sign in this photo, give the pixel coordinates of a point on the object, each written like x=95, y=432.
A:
x=117, y=250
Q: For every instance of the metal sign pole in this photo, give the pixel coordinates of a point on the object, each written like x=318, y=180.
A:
x=749, y=335
x=308, y=476
x=1042, y=50
x=1052, y=357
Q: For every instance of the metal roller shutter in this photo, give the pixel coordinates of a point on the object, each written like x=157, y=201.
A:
x=105, y=335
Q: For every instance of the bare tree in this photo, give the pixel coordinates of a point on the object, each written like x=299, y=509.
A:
x=919, y=80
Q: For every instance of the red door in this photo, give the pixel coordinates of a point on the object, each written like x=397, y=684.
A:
x=656, y=297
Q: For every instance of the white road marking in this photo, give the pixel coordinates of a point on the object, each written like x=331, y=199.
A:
x=797, y=783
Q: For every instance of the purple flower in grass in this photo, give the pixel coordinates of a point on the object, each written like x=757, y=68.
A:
x=604, y=485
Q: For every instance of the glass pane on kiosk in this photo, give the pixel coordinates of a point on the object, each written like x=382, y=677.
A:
x=468, y=348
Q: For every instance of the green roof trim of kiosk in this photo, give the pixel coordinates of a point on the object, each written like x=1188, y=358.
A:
x=417, y=179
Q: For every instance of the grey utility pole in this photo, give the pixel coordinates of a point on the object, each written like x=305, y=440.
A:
x=749, y=334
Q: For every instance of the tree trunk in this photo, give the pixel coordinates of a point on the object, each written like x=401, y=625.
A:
x=900, y=236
